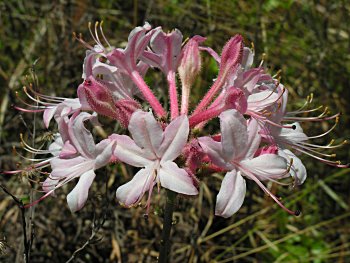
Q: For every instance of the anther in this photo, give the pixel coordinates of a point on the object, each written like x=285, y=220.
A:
x=297, y=212
x=294, y=127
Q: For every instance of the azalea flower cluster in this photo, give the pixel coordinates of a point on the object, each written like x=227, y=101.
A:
x=258, y=140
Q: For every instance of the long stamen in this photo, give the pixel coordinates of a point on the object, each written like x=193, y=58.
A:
x=27, y=110
x=268, y=192
x=325, y=133
x=103, y=35
x=80, y=39
x=98, y=38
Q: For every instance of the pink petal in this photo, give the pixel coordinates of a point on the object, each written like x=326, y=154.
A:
x=146, y=131
x=254, y=139
x=48, y=114
x=78, y=196
x=49, y=184
x=231, y=194
x=214, y=150
x=175, y=138
x=176, y=179
x=81, y=137
x=234, y=134
x=261, y=100
x=131, y=193
x=128, y=152
x=266, y=166
x=70, y=167
x=67, y=150
x=104, y=152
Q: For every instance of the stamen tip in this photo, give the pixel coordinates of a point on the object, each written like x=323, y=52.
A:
x=297, y=212
x=294, y=127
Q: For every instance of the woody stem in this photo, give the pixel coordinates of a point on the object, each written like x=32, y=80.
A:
x=167, y=223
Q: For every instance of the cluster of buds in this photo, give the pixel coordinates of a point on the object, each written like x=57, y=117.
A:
x=259, y=139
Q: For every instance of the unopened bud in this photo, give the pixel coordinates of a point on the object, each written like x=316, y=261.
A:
x=236, y=99
x=98, y=96
x=191, y=63
x=125, y=108
x=189, y=68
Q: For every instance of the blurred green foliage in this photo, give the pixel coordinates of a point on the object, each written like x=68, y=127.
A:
x=307, y=40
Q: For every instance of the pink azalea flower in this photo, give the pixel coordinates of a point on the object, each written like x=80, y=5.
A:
x=155, y=150
x=78, y=157
x=235, y=153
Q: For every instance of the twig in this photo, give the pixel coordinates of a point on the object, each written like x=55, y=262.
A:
x=20, y=205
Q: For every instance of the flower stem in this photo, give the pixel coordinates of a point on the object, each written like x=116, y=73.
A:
x=167, y=223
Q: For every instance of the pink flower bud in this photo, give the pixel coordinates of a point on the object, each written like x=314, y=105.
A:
x=194, y=155
x=125, y=108
x=231, y=55
x=191, y=62
x=99, y=97
x=189, y=68
x=235, y=99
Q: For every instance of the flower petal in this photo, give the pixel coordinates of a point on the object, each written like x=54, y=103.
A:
x=176, y=179
x=146, y=131
x=254, y=139
x=234, y=134
x=81, y=137
x=298, y=170
x=128, y=152
x=231, y=194
x=175, y=138
x=48, y=115
x=131, y=193
x=104, y=152
x=49, y=184
x=70, y=167
x=293, y=135
x=266, y=166
x=261, y=100
x=214, y=150
x=78, y=196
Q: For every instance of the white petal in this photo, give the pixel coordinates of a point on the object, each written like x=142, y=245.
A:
x=70, y=167
x=176, y=179
x=254, y=139
x=231, y=194
x=261, y=100
x=128, y=152
x=293, y=135
x=104, y=151
x=266, y=166
x=48, y=114
x=131, y=193
x=78, y=196
x=146, y=131
x=234, y=134
x=81, y=137
x=214, y=150
x=175, y=138
x=298, y=170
